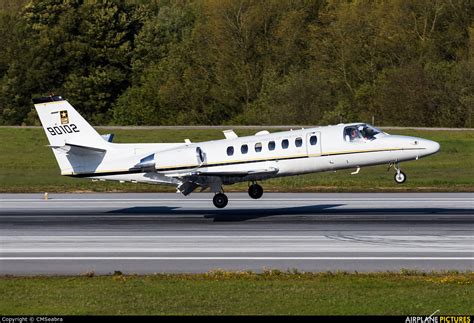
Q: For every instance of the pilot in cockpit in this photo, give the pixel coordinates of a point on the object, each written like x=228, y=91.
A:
x=361, y=133
x=352, y=134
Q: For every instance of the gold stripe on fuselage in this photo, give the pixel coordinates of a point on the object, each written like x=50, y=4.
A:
x=223, y=163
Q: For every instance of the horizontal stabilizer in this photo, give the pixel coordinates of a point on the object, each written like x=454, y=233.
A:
x=70, y=148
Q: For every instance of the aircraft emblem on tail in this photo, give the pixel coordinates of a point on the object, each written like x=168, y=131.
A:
x=64, y=117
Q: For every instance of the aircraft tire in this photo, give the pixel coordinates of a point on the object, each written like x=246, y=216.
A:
x=220, y=200
x=255, y=191
x=400, y=178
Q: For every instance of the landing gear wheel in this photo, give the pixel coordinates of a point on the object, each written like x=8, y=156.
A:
x=220, y=200
x=255, y=191
x=400, y=177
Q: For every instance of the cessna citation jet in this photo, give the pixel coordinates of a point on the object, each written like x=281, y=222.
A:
x=81, y=152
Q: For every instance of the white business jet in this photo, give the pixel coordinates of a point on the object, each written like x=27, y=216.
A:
x=81, y=152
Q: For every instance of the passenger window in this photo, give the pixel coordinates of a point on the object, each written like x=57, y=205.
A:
x=285, y=143
x=244, y=149
x=313, y=140
x=230, y=151
x=271, y=145
x=258, y=147
x=298, y=142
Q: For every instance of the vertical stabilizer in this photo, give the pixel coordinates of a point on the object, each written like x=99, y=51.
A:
x=66, y=129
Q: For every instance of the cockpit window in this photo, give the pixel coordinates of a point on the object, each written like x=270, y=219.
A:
x=369, y=132
x=352, y=134
x=359, y=133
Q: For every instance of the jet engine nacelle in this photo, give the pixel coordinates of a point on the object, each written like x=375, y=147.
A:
x=187, y=157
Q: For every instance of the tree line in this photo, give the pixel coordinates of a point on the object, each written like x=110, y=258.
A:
x=164, y=62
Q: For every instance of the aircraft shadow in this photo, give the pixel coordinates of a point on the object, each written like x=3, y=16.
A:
x=235, y=215
x=232, y=215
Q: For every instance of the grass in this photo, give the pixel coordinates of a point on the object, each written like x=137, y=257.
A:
x=270, y=292
x=28, y=165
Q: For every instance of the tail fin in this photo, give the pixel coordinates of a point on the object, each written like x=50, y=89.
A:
x=76, y=145
x=63, y=124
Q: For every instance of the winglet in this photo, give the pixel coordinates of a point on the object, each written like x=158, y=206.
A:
x=230, y=134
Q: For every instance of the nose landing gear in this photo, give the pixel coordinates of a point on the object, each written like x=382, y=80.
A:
x=400, y=177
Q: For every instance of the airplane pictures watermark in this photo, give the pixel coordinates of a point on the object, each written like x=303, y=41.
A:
x=437, y=318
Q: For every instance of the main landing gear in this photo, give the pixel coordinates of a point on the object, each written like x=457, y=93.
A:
x=220, y=200
x=400, y=177
x=255, y=191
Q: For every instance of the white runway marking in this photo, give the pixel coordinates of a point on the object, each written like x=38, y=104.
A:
x=237, y=258
x=236, y=244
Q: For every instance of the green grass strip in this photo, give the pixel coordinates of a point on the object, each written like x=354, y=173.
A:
x=219, y=292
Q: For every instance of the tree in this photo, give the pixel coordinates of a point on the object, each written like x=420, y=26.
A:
x=240, y=61
x=76, y=48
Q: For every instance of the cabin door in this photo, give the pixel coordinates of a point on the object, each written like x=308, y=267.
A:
x=313, y=144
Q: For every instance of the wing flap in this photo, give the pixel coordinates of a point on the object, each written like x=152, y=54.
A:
x=265, y=171
x=204, y=179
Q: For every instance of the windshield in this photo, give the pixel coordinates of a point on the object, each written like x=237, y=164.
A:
x=361, y=132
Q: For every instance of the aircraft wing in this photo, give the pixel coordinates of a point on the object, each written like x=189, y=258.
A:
x=203, y=178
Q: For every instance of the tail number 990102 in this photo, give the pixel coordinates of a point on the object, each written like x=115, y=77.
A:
x=62, y=130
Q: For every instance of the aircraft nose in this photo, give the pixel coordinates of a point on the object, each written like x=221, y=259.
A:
x=431, y=147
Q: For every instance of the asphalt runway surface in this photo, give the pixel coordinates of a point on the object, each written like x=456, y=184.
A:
x=155, y=233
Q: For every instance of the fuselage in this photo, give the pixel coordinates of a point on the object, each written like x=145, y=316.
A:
x=289, y=153
x=81, y=152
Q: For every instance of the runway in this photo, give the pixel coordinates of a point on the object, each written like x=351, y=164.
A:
x=155, y=233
